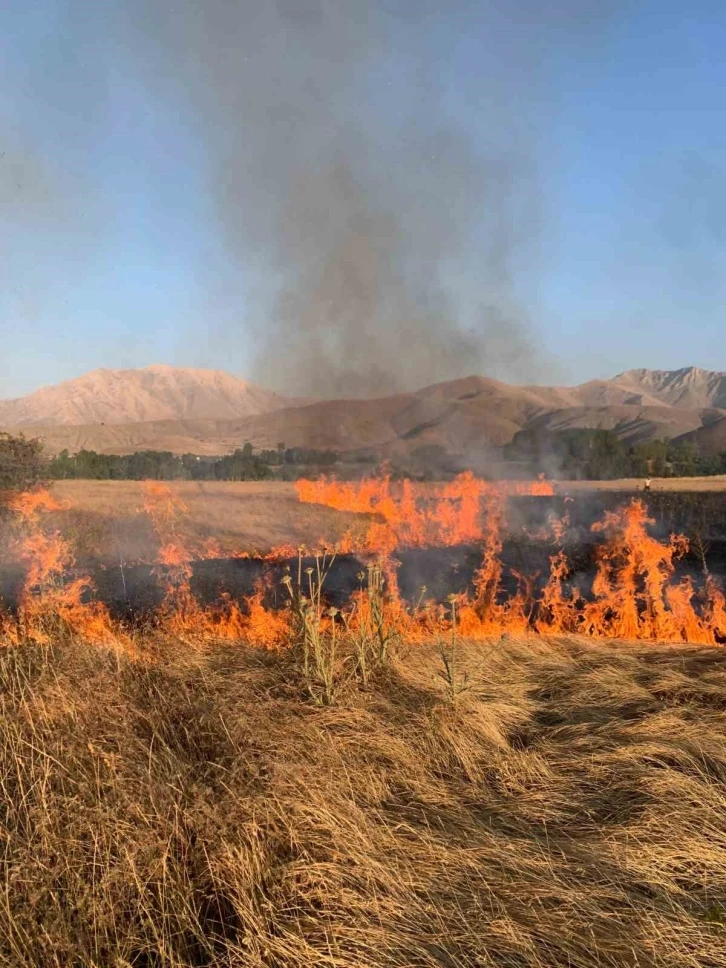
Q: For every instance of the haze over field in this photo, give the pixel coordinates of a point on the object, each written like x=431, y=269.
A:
x=360, y=198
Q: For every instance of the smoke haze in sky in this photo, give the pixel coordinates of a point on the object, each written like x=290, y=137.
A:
x=384, y=225
x=359, y=197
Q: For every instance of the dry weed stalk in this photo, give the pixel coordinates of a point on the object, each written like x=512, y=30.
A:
x=371, y=628
x=316, y=635
x=456, y=683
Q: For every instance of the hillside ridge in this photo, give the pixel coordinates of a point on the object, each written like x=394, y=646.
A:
x=210, y=412
x=157, y=392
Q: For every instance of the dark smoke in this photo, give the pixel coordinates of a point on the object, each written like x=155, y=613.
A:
x=375, y=170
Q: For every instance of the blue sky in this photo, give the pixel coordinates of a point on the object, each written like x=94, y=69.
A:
x=115, y=252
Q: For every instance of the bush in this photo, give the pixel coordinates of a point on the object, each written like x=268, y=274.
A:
x=21, y=462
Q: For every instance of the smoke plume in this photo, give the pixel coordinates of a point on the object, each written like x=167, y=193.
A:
x=374, y=166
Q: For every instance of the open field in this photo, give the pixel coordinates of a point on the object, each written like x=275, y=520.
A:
x=216, y=782
x=105, y=518
x=715, y=483
x=570, y=810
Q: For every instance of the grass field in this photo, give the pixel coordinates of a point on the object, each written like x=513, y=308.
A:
x=103, y=519
x=715, y=483
x=569, y=811
x=345, y=799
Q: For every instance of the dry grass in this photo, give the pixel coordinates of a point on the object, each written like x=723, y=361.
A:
x=104, y=520
x=715, y=483
x=571, y=812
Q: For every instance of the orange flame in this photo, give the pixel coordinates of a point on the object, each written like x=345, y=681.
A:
x=50, y=593
x=414, y=516
x=634, y=592
x=181, y=613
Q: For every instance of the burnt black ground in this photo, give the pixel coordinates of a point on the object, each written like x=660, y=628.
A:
x=134, y=592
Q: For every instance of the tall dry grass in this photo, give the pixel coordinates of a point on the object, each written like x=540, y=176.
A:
x=570, y=811
x=104, y=523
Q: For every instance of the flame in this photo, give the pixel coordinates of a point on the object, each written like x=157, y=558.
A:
x=634, y=593
x=629, y=587
x=715, y=609
x=51, y=597
x=181, y=613
x=264, y=627
x=414, y=516
x=558, y=609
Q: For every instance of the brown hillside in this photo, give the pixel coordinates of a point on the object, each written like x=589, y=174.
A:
x=152, y=393
x=210, y=413
x=710, y=439
x=688, y=387
x=458, y=415
x=633, y=424
x=611, y=393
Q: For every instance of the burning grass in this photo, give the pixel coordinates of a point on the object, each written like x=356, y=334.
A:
x=634, y=593
x=103, y=518
x=390, y=783
x=568, y=809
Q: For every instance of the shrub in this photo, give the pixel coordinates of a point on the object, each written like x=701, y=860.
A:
x=21, y=462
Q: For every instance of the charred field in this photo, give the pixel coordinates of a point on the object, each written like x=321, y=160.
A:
x=134, y=589
x=405, y=755
x=439, y=571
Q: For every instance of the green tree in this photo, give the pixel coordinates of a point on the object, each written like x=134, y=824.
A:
x=21, y=462
x=607, y=456
x=62, y=466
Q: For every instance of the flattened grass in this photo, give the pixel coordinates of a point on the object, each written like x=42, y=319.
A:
x=570, y=811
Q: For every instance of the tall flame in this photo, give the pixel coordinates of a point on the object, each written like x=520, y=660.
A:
x=50, y=592
x=415, y=516
x=634, y=592
x=180, y=610
x=181, y=613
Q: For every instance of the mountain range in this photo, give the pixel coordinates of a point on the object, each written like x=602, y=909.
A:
x=211, y=412
x=138, y=396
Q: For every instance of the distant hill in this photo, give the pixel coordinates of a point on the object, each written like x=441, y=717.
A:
x=212, y=413
x=633, y=424
x=689, y=387
x=710, y=439
x=152, y=393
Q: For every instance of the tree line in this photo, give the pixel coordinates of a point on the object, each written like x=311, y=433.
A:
x=568, y=454
x=601, y=455
x=243, y=465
